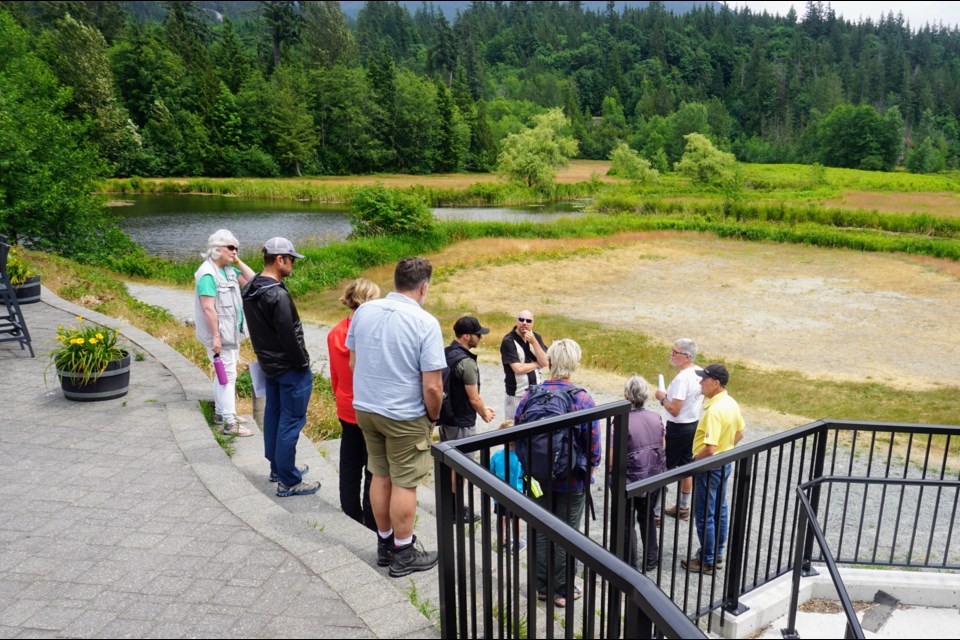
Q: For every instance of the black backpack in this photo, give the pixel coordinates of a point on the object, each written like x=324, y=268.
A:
x=453, y=355
x=547, y=403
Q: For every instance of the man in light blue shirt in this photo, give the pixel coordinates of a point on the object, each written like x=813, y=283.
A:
x=396, y=353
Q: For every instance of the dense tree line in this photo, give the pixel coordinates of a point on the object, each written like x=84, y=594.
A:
x=291, y=88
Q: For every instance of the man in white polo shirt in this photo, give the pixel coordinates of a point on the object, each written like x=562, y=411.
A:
x=396, y=353
x=683, y=401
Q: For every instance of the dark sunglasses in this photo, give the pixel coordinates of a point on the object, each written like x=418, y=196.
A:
x=525, y=320
x=232, y=247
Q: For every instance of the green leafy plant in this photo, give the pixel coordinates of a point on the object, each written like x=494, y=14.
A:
x=244, y=385
x=225, y=441
x=86, y=349
x=703, y=163
x=423, y=605
x=627, y=163
x=378, y=211
x=17, y=269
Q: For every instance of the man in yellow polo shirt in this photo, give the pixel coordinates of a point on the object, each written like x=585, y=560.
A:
x=720, y=428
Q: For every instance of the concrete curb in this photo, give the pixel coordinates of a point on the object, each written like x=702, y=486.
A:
x=772, y=601
x=385, y=610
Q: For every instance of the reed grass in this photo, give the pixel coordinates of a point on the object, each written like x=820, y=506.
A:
x=476, y=195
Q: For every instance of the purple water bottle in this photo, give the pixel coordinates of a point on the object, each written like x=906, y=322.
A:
x=221, y=371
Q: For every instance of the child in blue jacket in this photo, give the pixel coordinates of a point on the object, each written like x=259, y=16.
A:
x=498, y=465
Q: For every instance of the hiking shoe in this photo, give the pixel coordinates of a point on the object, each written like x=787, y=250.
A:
x=410, y=558
x=303, y=471
x=384, y=551
x=680, y=514
x=302, y=489
x=516, y=547
x=467, y=516
x=693, y=565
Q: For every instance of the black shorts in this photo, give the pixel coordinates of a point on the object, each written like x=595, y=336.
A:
x=680, y=443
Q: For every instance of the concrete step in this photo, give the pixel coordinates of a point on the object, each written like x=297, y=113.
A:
x=364, y=582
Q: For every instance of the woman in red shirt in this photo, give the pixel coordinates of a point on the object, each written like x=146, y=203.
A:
x=353, y=448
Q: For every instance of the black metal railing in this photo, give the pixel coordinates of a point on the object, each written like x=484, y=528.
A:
x=878, y=522
x=809, y=527
x=489, y=590
x=865, y=522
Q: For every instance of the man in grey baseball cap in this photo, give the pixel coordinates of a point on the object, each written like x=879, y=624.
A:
x=280, y=247
x=277, y=337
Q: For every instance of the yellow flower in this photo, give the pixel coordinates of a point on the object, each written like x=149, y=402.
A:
x=93, y=341
x=80, y=318
x=79, y=340
x=99, y=336
x=60, y=338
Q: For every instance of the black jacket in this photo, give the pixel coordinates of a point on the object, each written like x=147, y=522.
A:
x=275, y=329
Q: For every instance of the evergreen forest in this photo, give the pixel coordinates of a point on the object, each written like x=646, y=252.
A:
x=293, y=88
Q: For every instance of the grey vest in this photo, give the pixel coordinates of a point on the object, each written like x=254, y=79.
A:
x=228, y=304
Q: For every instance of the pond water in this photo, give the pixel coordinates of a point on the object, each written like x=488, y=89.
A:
x=177, y=226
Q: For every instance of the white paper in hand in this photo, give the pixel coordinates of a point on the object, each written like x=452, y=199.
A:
x=258, y=379
x=660, y=382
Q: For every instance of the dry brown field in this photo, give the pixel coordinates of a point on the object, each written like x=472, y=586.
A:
x=832, y=314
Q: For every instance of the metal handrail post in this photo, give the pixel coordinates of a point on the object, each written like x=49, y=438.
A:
x=820, y=452
x=790, y=631
x=445, y=549
x=618, y=489
x=636, y=624
x=738, y=537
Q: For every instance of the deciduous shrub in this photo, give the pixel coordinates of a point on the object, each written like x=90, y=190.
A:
x=627, y=163
x=703, y=163
x=378, y=211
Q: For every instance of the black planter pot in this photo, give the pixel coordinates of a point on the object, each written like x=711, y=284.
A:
x=114, y=382
x=29, y=291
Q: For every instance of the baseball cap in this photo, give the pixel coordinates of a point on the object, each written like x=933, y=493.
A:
x=716, y=371
x=280, y=247
x=469, y=324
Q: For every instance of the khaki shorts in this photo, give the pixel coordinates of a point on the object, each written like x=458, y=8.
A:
x=398, y=449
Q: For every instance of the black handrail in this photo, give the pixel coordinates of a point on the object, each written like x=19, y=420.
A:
x=764, y=513
x=807, y=524
x=647, y=606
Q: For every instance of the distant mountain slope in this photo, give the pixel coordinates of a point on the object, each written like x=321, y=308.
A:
x=351, y=8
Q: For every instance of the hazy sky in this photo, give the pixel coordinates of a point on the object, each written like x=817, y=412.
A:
x=916, y=13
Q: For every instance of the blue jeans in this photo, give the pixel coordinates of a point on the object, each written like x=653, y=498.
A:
x=709, y=502
x=283, y=419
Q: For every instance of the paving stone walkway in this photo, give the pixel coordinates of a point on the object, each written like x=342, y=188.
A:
x=124, y=518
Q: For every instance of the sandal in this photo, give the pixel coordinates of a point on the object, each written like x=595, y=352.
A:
x=236, y=431
x=560, y=597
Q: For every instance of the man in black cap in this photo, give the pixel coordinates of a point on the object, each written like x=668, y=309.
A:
x=720, y=429
x=462, y=403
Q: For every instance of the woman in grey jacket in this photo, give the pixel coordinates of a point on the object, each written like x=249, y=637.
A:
x=645, y=458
